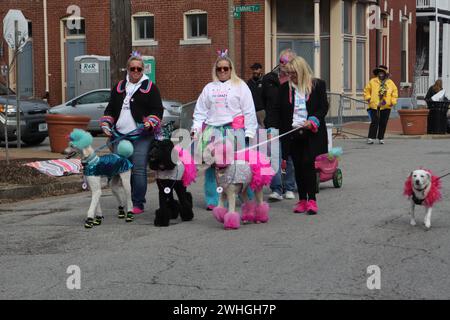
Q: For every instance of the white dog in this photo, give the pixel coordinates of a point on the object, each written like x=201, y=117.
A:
x=235, y=173
x=423, y=189
x=114, y=166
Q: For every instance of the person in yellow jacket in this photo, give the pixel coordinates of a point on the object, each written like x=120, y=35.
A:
x=381, y=93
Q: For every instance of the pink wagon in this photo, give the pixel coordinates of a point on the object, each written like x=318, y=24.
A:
x=327, y=169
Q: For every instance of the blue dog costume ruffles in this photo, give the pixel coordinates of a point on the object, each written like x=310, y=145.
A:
x=108, y=165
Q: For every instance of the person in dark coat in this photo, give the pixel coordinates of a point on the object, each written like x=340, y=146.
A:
x=255, y=85
x=271, y=87
x=435, y=88
x=303, y=106
x=135, y=102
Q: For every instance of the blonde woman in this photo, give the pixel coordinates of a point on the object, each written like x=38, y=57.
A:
x=225, y=103
x=303, y=106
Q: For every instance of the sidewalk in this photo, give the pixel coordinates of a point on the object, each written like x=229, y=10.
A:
x=359, y=130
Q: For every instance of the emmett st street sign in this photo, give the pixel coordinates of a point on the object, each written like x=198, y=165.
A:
x=248, y=8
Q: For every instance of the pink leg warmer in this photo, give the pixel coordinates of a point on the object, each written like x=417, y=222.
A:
x=262, y=213
x=219, y=213
x=248, y=211
x=232, y=220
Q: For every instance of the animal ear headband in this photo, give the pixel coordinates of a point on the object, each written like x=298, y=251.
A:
x=222, y=53
x=136, y=54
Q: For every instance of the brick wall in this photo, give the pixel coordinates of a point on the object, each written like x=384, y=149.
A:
x=183, y=70
x=395, y=43
x=96, y=15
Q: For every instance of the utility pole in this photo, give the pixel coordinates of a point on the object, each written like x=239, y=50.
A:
x=243, y=66
x=120, y=38
x=231, y=29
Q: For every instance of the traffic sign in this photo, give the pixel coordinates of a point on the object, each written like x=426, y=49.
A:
x=246, y=8
x=9, y=28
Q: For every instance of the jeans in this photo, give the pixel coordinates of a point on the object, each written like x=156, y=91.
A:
x=289, y=182
x=139, y=159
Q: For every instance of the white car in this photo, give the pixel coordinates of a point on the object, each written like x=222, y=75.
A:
x=94, y=103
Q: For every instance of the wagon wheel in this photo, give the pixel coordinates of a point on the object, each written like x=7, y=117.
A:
x=337, y=178
x=317, y=181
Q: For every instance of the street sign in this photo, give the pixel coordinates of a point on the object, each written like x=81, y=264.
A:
x=9, y=31
x=247, y=8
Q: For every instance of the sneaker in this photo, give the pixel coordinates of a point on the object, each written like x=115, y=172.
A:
x=276, y=196
x=312, y=208
x=130, y=216
x=301, y=207
x=289, y=195
x=121, y=213
x=381, y=141
x=98, y=220
x=210, y=207
x=89, y=223
x=369, y=141
x=137, y=210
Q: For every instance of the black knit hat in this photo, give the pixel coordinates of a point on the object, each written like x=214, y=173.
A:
x=256, y=66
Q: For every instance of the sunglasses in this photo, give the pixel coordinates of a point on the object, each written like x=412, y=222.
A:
x=222, y=69
x=134, y=69
x=284, y=60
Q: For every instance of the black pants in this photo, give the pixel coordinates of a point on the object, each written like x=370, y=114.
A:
x=379, y=123
x=305, y=172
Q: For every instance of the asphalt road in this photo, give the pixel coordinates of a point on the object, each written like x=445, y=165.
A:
x=293, y=256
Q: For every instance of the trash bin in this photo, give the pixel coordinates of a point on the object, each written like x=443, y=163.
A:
x=437, y=117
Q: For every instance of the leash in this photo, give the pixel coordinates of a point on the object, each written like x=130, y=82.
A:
x=445, y=175
x=110, y=142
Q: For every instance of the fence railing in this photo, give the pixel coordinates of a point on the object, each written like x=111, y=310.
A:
x=342, y=109
x=422, y=85
x=345, y=109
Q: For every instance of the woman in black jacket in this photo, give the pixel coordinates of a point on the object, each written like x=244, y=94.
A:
x=135, y=102
x=303, y=107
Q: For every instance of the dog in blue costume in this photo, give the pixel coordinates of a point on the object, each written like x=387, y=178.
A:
x=116, y=167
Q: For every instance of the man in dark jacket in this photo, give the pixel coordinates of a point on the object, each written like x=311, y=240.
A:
x=255, y=85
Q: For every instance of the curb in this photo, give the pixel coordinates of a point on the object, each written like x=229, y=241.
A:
x=16, y=193
x=29, y=192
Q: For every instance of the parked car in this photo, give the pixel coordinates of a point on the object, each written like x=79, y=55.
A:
x=94, y=103
x=33, y=128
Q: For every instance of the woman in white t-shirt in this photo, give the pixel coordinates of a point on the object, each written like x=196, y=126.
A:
x=226, y=103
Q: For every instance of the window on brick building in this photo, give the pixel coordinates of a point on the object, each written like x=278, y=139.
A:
x=195, y=28
x=75, y=27
x=144, y=28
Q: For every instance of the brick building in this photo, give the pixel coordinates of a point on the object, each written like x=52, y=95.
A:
x=183, y=36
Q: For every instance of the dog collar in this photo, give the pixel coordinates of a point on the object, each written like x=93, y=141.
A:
x=92, y=159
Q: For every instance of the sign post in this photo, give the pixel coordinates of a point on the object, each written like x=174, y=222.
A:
x=15, y=32
x=5, y=73
x=18, y=130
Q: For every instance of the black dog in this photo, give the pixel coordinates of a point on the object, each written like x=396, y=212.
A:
x=168, y=178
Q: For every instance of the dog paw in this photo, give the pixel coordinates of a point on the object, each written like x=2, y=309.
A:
x=413, y=223
x=427, y=225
